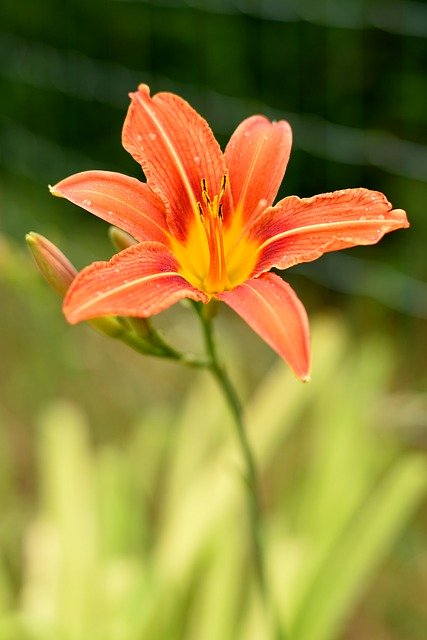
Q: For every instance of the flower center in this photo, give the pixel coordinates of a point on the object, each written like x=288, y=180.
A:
x=210, y=213
x=214, y=257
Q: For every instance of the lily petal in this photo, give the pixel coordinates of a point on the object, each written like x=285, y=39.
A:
x=139, y=281
x=176, y=149
x=120, y=200
x=300, y=230
x=272, y=309
x=256, y=156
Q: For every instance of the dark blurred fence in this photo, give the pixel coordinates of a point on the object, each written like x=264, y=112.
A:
x=348, y=74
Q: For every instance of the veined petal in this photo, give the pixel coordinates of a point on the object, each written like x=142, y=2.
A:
x=122, y=201
x=300, y=230
x=272, y=309
x=176, y=149
x=256, y=156
x=139, y=281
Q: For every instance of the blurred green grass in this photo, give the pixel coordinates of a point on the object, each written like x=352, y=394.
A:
x=122, y=510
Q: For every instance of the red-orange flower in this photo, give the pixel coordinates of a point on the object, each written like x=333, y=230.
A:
x=206, y=227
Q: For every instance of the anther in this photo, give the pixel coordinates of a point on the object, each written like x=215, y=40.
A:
x=220, y=211
x=200, y=209
x=205, y=194
x=224, y=182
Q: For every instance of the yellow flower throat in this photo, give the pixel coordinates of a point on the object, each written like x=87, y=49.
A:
x=215, y=258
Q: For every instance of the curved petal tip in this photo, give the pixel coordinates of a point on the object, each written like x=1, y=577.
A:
x=400, y=214
x=271, y=308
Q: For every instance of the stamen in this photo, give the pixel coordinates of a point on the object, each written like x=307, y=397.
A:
x=211, y=216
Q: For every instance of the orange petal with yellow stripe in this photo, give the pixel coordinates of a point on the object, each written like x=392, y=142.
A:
x=139, y=281
x=176, y=149
x=121, y=200
x=300, y=230
x=257, y=156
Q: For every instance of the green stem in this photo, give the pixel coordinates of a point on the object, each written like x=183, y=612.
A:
x=251, y=480
x=251, y=476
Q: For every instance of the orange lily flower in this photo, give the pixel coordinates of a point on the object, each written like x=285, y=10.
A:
x=206, y=227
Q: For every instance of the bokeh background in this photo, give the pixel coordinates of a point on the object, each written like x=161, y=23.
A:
x=102, y=533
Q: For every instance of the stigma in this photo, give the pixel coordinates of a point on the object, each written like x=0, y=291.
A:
x=211, y=218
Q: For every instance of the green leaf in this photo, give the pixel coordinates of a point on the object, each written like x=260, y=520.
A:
x=359, y=551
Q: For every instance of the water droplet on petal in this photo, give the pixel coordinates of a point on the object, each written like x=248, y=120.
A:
x=152, y=136
x=381, y=217
x=139, y=137
x=86, y=203
x=196, y=159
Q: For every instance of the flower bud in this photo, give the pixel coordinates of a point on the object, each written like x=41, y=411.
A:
x=56, y=269
x=59, y=273
x=120, y=239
